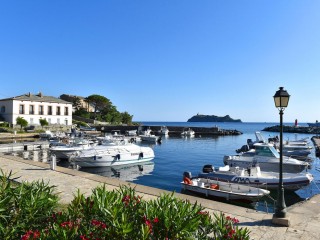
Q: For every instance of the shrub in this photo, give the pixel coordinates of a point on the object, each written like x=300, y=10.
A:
x=24, y=205
x=28, y=211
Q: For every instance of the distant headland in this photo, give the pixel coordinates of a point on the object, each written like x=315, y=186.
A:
x=212, y=118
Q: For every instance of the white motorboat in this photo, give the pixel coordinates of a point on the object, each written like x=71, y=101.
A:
x=148, y=137
x=188, y=133
x=267, y=157
x=113, y=155
x=219, y=189
x=163, y=131
x=68, y=150
x=298, y=149
x=256, y=178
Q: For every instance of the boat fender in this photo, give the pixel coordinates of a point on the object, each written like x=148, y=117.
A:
x=187, y=180
x=207, y=168
x=214, y=186
x=141, y=155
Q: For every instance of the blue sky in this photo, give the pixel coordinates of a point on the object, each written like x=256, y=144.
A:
x=167, y=60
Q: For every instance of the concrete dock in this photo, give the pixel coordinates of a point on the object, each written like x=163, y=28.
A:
x=304, y=216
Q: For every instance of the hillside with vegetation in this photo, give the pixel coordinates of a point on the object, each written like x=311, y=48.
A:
x=212, y=118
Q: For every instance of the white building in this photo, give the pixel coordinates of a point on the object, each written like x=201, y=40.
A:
x=35, y=107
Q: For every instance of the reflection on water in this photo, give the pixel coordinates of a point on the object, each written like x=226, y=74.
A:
x=125, y=173
x=36, y=156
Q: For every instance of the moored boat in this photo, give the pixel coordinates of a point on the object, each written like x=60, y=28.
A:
x=163, y=131
x=188, y=133
x=148, y=137
x=113, y=155
x=254, y=177
x=68, y=150
x=267, y=157
x=219, y=189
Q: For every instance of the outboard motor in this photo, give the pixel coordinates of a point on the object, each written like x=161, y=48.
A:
x=250, y=143
x=187, y=174
x=244, y=148
x=207, y=168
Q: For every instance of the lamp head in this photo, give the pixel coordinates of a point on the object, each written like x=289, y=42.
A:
x=281, y=98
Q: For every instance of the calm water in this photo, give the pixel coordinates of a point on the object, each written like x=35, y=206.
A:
x=177, y=154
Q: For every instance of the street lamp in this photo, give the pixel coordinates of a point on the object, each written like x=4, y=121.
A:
x=281, y=100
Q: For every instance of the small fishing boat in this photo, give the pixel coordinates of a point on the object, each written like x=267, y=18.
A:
x=148, y=137
x=219, y=189
x=163, y=131
x=188, y=133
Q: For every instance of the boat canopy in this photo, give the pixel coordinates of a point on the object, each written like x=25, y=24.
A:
x=266, y=150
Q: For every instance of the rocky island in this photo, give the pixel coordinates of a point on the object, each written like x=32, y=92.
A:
x=212, y=118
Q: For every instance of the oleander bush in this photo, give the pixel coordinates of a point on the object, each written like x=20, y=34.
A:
x=24, y=205
x=30, y=211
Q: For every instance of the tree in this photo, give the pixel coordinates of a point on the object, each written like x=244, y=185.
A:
x=22, y=122
x=43, y=122
x=77, y=103
x=126, y=118
x=98, y=102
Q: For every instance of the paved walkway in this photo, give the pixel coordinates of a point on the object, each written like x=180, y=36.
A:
x=304, y=217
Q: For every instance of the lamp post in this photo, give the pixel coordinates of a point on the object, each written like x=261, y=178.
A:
x=281, y=100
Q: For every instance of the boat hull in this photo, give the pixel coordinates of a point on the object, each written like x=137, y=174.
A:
x=227, y=191
x=271, y=165
x=290, y=182
x=106, y=156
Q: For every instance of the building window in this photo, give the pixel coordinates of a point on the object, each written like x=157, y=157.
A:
x=49, y=120
x=41, y=110
x=58, y=120
x=66, y=111
x=31, y=120
x=49, y=110
x=58, y=111
x=21, y=109
x=3, y=109
x=31, y=109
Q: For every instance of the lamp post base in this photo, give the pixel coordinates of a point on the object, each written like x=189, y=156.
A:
x=285, y=222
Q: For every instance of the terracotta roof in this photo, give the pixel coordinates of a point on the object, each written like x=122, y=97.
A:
x=37, y=98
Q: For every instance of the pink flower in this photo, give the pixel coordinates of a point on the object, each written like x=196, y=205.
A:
x=103, y=225
x=95, y=222
x=234, y=220
x=83, y=237
x=66, y=224
x=36, y=234
x=156, y=220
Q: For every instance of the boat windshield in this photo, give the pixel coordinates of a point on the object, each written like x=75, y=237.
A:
x=267, y=151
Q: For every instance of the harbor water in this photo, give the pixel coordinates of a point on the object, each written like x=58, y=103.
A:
x=176, y=155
